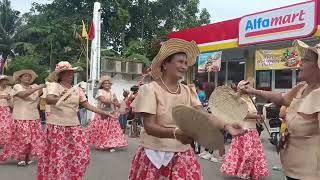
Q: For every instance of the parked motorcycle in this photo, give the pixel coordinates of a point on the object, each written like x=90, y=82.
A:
x=271, y=113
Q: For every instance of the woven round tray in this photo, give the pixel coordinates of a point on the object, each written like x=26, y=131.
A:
x=196, y=125
x=227, y=105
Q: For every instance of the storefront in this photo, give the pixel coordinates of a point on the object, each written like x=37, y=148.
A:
x=256, y=46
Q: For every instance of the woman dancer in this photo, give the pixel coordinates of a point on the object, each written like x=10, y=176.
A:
x=5, y=112
x=165, y=152
x=26, y=137
x=106, y=133
x=67, y=153
x=300, y=156
x=246, y=158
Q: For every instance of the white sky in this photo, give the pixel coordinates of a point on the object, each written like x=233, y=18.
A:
x=219, y=10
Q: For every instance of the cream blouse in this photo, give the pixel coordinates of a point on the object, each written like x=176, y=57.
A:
x=25, y=108
x=66, y=113
x=249, y=123
x=300, y=158
x=153, y=99
x=5, y=92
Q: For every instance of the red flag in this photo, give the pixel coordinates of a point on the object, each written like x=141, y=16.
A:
x=91, y=32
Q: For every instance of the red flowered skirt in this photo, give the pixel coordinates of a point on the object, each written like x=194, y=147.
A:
x=26, y=138
x=246, y=158
x=106, y=133
x=183, y=166
x=5, y=124
x=66, y=154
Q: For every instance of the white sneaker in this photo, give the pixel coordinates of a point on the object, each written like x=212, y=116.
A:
x=207, y=156
x=219, y=159
x=112, y=150
x=203, y=153
x=30, y=162
x=22, y=163
x=214, y=159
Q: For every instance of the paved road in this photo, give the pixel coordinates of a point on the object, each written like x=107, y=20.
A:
x=115, y=166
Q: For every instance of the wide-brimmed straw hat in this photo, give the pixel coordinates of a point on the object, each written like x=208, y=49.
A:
x=170, y=47
x=196, y=124
x=227, y=105
x=8, y=78
x=103, y=79
x=18, y=74
x=60, y=67
x=304, y=49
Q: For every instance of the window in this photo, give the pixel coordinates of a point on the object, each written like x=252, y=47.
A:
x=212, y=76
x=263, y=80
x=283, y=79
x=222, y=74
x=235, y=72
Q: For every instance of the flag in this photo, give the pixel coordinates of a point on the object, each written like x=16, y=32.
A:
x=84, y=31
x=91, y=32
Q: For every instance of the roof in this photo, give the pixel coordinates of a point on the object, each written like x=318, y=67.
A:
x=221, y=35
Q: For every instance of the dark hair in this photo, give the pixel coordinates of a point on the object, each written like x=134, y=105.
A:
x=198, y=84
x=169, y=59
x=183, y=82
x=134, y=88
x=209, y=89
x=125, y=93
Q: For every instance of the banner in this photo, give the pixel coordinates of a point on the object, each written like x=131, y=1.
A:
x=209, y=62
x=286, y=58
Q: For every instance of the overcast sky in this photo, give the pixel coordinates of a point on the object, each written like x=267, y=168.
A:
x=219, y=10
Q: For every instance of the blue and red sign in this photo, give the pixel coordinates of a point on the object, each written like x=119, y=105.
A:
x=289, y=22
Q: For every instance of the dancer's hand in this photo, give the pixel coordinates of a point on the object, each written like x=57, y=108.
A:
x=182, y=137
x=8, y=97
x=234, y=129
x=41, y=86
x=247, y=89
x=105, y=114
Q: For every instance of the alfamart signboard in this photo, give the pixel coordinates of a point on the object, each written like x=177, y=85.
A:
x=290, y=22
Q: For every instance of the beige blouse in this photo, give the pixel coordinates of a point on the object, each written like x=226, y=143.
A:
x=153, y=99
x=107, y=95
x=5, y=92
x=300, y=158
x=249, y=123
x=66, y=113
x=25, y=108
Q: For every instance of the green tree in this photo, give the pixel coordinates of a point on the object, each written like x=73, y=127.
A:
x=29, y=62
x=10, y=30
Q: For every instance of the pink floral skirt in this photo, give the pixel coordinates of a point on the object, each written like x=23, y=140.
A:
x=106, y=133
x=26, y=139
x=246, y=158
x=5, y=124
x=183, y=166
x=66, y=154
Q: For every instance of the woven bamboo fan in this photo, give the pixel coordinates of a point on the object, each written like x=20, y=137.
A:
x=227, y=105
x=196, y=125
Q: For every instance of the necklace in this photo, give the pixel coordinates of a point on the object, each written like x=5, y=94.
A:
x=178, y=88
x=25, y=86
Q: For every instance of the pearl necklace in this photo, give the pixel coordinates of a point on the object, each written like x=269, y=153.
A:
x=176, y=92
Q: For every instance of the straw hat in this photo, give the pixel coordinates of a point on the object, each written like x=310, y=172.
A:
x=104, y=78
x=170, y=47
x=305, y=49
x=196, y=125
x=227, y=105
x=8, y=78
x=18, y=74
x=60, y=67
